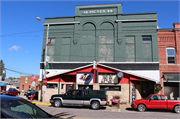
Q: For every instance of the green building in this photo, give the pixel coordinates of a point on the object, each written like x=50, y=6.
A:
x=126, y=42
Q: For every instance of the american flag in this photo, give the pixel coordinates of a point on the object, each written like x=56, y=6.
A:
x=33, y=78
x=49, y=42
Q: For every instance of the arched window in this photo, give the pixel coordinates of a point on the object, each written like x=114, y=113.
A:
x=170, y=55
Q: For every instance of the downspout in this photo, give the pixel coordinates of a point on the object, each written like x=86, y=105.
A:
x=129, y=90
x=59, y=83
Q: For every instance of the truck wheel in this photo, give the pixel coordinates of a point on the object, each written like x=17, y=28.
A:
x=57, y=103
x=177, y=109
x=95, y=105
x=141, y=108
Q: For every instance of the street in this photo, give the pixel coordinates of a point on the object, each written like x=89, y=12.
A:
x=86, y=113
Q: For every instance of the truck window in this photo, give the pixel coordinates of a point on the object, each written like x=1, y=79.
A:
x=162, y=97
x=71, y=92
x=79, y=92
x=155, y=97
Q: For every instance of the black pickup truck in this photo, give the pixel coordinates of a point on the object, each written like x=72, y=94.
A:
x=93, y=98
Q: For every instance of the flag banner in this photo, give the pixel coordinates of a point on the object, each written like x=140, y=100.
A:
x=164, y=76
x=95, y=65
x=49, y=42
x=47, y=65
x=33, y=78
x=47, y=58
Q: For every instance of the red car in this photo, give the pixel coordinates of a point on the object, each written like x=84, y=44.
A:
x=156, y=101
x=12, y=91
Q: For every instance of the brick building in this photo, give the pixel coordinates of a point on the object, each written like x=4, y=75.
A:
x=169, y=60
x=25, y=83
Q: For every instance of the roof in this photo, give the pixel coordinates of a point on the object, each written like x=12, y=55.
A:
x=123, y=71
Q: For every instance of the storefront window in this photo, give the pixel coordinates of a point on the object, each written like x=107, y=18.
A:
x=50, y=85
x=110, y=88
x=86, y=87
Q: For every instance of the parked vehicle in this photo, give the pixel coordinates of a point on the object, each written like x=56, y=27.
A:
x=12, y=91
x=34, y=93
x=16, y=107
x=25, y=93
x=93, y=98
x=156, y=101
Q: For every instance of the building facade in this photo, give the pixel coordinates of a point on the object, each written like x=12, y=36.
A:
x=124, y=45
x=169, y=60
x=26, y=83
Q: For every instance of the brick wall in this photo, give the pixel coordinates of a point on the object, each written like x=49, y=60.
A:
x=29, y=82
x=169, y=38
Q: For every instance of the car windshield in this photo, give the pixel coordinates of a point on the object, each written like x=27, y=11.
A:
x=147, y=97
x=21, y=108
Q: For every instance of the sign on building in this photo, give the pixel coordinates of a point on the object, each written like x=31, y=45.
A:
x=84, y=77
x=107, y=78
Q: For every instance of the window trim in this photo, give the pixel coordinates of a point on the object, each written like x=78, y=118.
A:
x=170, y=55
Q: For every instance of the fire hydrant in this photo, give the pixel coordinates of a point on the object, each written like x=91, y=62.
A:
x=31, y=97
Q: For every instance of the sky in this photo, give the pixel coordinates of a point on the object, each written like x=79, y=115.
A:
x=21, y=35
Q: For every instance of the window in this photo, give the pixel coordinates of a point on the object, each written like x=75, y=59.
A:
x=49, y=85
x=147, y=48
x=62, y=86
x=162, y=97
x=155, y=97
x=71, y=92
x=170, y=54
x=130, y=49
x=93, y=92
x=110, y=88
x=79, y=92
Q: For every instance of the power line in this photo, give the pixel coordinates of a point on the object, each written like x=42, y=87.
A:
x=20, y=72
x=20, y=33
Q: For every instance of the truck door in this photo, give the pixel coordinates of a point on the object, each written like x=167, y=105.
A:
x=154, y=102
x=163, y=102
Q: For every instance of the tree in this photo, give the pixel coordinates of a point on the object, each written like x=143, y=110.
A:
x=2, y=70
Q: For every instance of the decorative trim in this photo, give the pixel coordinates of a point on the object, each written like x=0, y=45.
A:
x=75, y=22
x=126, y=20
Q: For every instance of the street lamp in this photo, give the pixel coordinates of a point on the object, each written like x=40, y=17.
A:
x=39, y=19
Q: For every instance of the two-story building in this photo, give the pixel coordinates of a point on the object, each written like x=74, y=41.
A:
x=125, y=47
x=169, y=60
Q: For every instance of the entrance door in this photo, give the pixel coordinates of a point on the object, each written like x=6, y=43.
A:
x=69, y=87
x=147, y=88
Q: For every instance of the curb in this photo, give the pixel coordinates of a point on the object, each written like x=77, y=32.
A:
x=38, y=103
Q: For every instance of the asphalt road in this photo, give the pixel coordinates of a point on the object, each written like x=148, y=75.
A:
x=86, y=113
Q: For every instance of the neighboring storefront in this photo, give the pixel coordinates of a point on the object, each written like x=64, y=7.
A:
x=26, y=83
x=125, y=43
x=169, y=61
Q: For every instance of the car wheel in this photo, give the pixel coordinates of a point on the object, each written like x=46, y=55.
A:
x=141, y=108
x=57, y=103
x=95, y=105
x=177, y=109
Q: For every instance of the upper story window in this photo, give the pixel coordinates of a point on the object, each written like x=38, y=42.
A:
x=147, y=48
x=170, y=54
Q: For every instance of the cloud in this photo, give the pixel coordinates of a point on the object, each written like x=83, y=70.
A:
x=16, y=48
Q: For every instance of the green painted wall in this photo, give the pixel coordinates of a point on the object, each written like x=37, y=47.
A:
x=100, y=37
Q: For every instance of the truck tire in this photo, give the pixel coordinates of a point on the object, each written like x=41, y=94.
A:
x=57, y=103
x=177, y=108
x=141, y=107
x=95, y=105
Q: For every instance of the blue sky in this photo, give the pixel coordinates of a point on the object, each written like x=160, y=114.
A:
x=21, y=34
